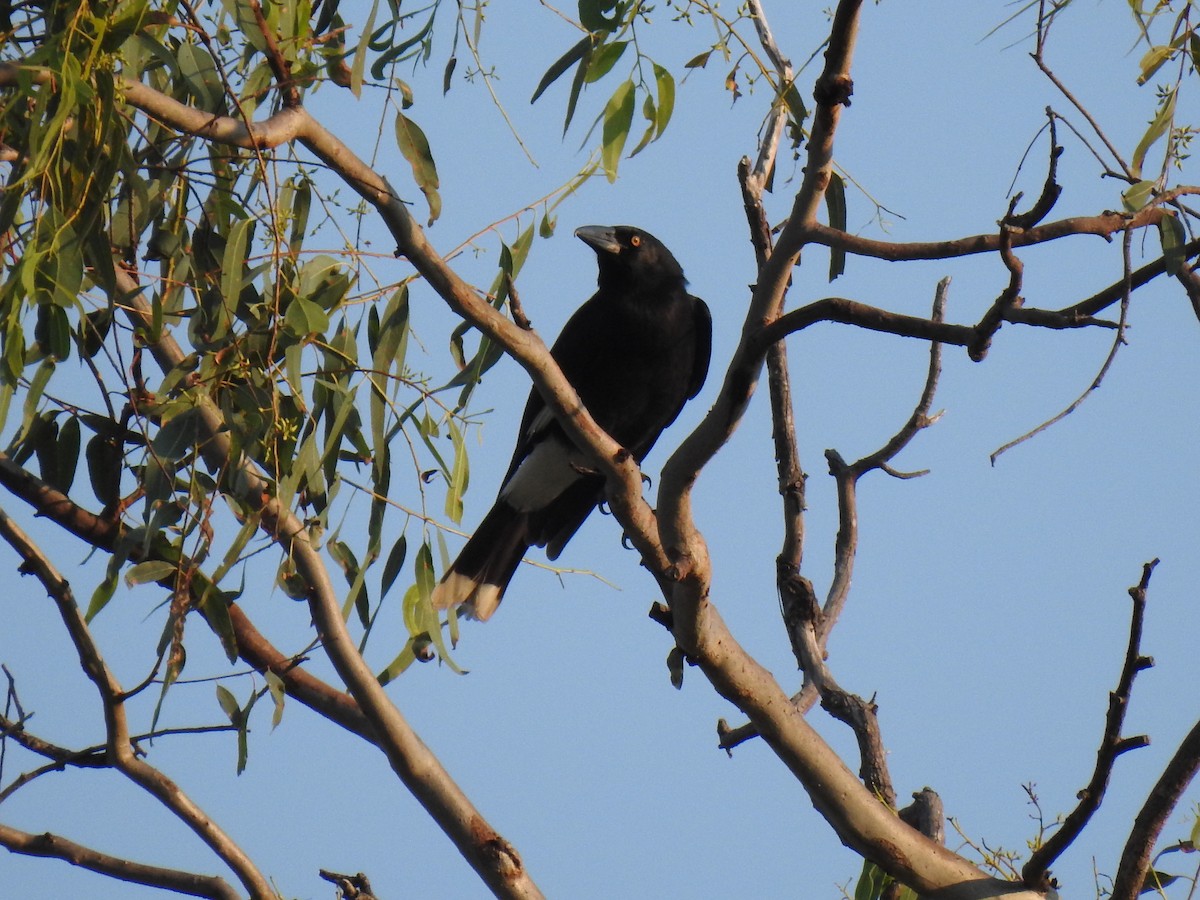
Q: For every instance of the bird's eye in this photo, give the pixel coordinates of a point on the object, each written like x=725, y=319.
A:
x=635, y=241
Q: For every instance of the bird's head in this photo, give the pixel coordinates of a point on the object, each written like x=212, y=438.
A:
x=630, y=258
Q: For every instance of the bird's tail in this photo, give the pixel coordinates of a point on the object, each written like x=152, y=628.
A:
x=476, y=581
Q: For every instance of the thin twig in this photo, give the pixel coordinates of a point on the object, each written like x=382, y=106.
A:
x=1118, y=342
x=1039, y=58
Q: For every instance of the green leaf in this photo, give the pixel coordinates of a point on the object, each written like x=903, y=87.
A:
x=105, y=589
x=393, y=564
x=618, y=116
x=1138, y=195
x=459, y=475
x=53, y=331
x=870, y=883
x=420, y=616
x=304, y=318
x=699, y=61
x=240, y=719
x=591, y=15
x=179, y=436
x=1155, y=881
x=648, y=114
x=603, y=60
x=577, y=85
x=247, y=25
x=1160, y=125
x=795, y=103
x=560, y=65
x=93, y=329
x=1153, y=61
x=150, y=572
x=43, y=436
x=214, y=606
x=1172, y=235
x=233, y=261
x=203, y=80
x=665, y=82
x=278, y=695
x=385, y=59
x=403, y=660
x=104, y=463
x=835, y=204
x=415, y=147
x=360, y=52
x=37, y=385
x=69, y=439
x=229, y=704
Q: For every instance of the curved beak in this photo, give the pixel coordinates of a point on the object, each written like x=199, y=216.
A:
x=599, y=238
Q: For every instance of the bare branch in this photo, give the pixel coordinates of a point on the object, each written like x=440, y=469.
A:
x=1112, y=745
x=768, y=149
x=1116, y=291
x=1043, y=30
x=1164, y=797
x=851, y=312
x=1118, y=342
x=1104, y=225
x=54, y=846
x=1051, y=190
x=350, y=887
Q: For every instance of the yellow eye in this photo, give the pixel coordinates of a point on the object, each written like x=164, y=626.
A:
x=635, y=241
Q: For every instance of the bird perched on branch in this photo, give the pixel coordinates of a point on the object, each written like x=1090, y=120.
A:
x=635, y=353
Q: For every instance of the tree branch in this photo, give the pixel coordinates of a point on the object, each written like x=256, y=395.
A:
x=106, y=534
x=1163, y=798
x=120, y=751
x=56, y=847
x=1112, y=745
x=858, y=817
x=1104, y=225
x=496, y=861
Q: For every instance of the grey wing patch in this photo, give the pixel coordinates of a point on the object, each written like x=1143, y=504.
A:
x=551, y=467
x=540, y=423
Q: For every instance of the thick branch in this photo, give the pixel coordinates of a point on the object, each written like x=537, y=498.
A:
x=56, y=847
x=851, y=312
x=1164, y=797
x=860, y=820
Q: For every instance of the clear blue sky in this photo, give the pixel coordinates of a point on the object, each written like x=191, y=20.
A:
x=988, y=614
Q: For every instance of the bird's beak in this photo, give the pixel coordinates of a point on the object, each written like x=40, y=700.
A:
x=599, y=238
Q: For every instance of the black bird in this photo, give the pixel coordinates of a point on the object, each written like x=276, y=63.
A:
x=635, y=353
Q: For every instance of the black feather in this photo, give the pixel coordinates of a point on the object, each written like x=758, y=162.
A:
x=635, y=353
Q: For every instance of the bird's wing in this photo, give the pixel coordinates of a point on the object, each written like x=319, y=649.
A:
x=575, y=353
x=702, y=325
